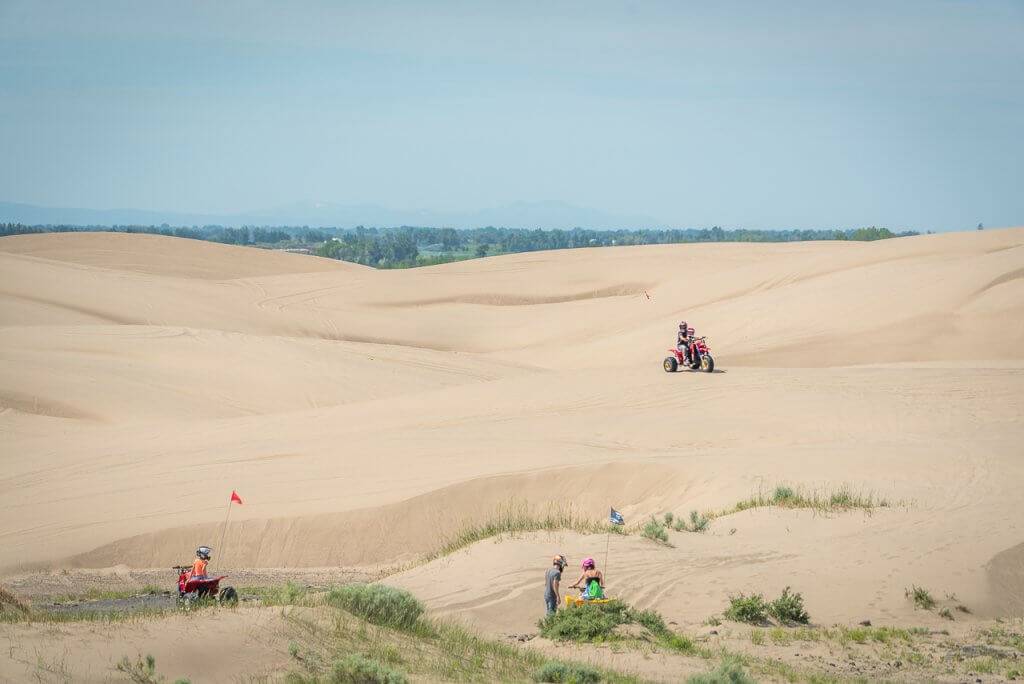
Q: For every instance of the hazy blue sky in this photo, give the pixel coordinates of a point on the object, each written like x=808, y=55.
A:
x=742, y=114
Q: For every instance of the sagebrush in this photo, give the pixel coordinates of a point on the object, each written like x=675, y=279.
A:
x=567, y=673
x=378, y=604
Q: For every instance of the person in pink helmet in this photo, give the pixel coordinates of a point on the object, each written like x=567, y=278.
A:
x=591, y=582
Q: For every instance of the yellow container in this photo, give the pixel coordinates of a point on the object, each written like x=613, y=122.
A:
x=571, y=601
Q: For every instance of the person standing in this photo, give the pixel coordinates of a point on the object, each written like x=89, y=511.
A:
x=552, y=580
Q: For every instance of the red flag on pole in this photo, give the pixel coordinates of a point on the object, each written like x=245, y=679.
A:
x=235, y=498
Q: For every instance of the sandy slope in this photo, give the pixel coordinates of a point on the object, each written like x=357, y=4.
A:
x=365, y=415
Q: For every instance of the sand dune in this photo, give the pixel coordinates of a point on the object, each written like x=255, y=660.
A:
x=367, y=415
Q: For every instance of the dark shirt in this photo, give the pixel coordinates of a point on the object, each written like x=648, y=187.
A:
x=550, y=576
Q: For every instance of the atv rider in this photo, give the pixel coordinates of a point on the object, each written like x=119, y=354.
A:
x=683, y=340
x=591, y=582
x=199, y=566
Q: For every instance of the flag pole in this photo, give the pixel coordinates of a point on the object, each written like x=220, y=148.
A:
x=224, y=532
x=607, y=545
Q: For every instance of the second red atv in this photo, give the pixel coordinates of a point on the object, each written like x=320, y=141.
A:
x=700, y=357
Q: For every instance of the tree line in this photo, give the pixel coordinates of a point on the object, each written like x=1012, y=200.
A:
x=407, y=246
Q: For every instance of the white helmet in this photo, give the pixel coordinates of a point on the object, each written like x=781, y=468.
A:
x=204, y=552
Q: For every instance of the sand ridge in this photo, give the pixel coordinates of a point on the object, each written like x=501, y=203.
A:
x=367, y=414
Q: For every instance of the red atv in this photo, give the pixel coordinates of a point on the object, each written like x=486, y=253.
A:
x=190, y=590
x=700, y=357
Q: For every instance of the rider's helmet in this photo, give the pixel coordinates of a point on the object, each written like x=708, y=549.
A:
x=204, y=552
x=690, y=332
x=588, y=563
x=682, y=326
x=560, y=561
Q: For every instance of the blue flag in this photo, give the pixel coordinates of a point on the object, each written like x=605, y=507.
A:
x=615, y=518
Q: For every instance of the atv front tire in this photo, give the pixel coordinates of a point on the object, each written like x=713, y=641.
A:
x=228, y=596
x=670, y=365
x=707, y=364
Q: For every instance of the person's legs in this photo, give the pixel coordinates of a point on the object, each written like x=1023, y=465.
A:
x=551, y=604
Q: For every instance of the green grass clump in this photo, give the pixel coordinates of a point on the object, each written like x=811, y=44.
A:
x=698, y=522
x=357, y=669
x=590, y=622
x=596, y=622
x=99, y=616
x=985, y=665
x=789, y=608
x=750, y=609
x=288, y=594
x=516, y=517
x=655, y=531
x=8, y=599
x=784, y=496
x=378, y=604
x=729, y=671
x=921, y=597
x=141, y=670
x=568, y=673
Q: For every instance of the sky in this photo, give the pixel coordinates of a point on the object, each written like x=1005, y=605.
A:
x=752, y=114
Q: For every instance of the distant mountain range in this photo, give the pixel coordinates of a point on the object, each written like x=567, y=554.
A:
x=548, y=214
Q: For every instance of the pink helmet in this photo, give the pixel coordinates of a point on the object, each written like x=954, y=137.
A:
x=588, y=563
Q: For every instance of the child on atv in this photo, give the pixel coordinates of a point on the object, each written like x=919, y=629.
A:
x=199, y=566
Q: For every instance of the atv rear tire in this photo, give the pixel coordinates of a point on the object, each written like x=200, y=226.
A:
x=228, y=596
x=707, y=363
x=670, y=365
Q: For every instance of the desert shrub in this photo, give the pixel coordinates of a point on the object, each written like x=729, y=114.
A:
x=698, y=522
x=669, y=517
x=842, y=499
x=141, y=670
x=589, y=622
x=757, y=637
x=858, y=635
x=596, y=622
x=651, y=620
x=784, y=495
x=656, y=531
x=985, y=665
x=678, y=642
x=379, y=604
x=569, y=673
x=7, y=598
x=288, y=594
x=729, y=671
x=789, y=608
x=921, y=597
x=751, y=609
x=946, y=613
x=356, y=669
